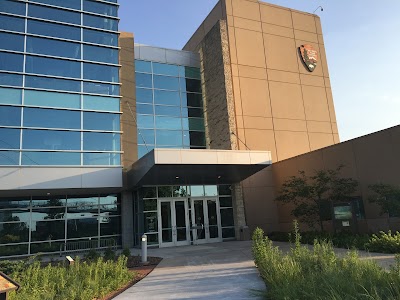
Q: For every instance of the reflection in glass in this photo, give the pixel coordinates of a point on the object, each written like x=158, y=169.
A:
x=228, y=233
x=9, y=138
x=12, y=7
x=82, y=228
x=227, y=217
x=149, y=204
x=14, y=250
x=55, y=30
x=100, y=37
x=53, y=47
x=10, y=116
x=196, y=190
x=109, y=225
x=224, y=190
x=169, y=137
x=52, y=99
x=165, y=69
x=101, y=88
x=12, y=23
x=102, y=159
x=99, y=141
x=150, y=222
x=52, y=66
x=164, y=191
x=100, y=72
x=51, y=139
x=101, y=103
x=101, y=121
x=100, y=8
x=50, y=158
x=9, y=158
x=48, y=13
x=10, y=96
x=148, y=192
x=101, y=54
x=143, y=80
x=225, y=201
x=11, y=62
x=14, y=232
x=52, y=83
x=144, y=95
x=143, y=66
x=179, y=191
x=48, y=230
x=75, y=4
x=51, y=118
x=11, y=41
x=166, y=83
x=199, y=218
x=100, y=22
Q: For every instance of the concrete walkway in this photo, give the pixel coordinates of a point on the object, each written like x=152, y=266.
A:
x=212, y=271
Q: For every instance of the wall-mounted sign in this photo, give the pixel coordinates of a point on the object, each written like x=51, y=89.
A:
x=309, y=56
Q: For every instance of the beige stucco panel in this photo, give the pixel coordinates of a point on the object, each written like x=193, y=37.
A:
x=277, y=30
x=290, y=143
x=304, y=22
x=321, y=127
x=252, y=72
x=315, y=103
x=330, y=104
x=257, y=122
x=275, y=15
x=281, y=53
x=232, y=44
x=246, y=9
x=236, y=94
x=255, y=97
x=312, y=80
x=247, y=24
x=283, y=76
x=286, y=100
x=257, y=139
x=250, y=48
x=290, y=125
x=306, y=36
x=320, y=140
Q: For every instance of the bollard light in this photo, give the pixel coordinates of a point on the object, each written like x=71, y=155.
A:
x=144, y=249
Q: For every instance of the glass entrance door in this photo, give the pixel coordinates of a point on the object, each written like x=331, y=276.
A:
x=206, y=221
x=174, y=222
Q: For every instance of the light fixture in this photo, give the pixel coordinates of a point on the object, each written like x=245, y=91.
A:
x=176, y=177
x=320, y=7
x=219, y=177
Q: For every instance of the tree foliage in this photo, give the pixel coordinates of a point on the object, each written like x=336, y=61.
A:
x=387, y=197
x=314, y=196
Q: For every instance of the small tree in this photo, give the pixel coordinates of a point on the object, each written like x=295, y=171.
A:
x=314, y=196
x=387, y=197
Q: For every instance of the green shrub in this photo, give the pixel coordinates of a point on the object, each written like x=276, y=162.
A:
x=109, y=254
x=8, y=266
x=384, y=242
x=318, y=273
x=92, y=255
x=126, y=252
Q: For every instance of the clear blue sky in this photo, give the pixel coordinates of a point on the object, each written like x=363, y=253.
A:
x=361, y=39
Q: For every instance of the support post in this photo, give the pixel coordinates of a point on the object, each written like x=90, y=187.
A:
x=144, y=249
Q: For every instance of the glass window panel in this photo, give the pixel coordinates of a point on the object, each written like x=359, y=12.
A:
x=146, y=136
x=11, y=41
x=51, y=118
x=12, y=23
x=82, y=202
x=47, y=231
x=14, y=250
x=51, y=99
x=14, y=215
x=101, y=121
x=193, y=124
x=100, y=72
x=150, y=222
x=11, y=62
x=191, y=72
x=144, y=95
x=166, y=137
x=14, y=233
x=100, y=8
x=101, y=141
x=102, y=159
x=100, y=22
x=197, y=138
x=52, y=66
x=145, y=121
x=10, y=96
x=51, y=139
x=9, y=158
x=164, y=191
x=174, y=111
x=148, y=192
x=142, y=66
x=210, y=190
x=195, y=112
x=111, y=199
x=45, y=213
x=52, y=83
x=12, y=7
x=51, y=159
x=10, y=79
x=100, y=37
x=78, y=228
x=143, y=80
x=227, y=217
x=110, y=226
x=143, y=150
x=9, y=138
x=194, y=100
x=101, y=54
x=50, y=202
x=146, y=109
x=109, y=210
x=10, y=116
x=149, y=204
x=101, y=88
x=196, y=190
x=55, y=30
x=228, y=233
x=75, y=4
x=225, y=201
x=54, y=14
x=101, y=103
x=166, y=83
x=9, y=203
x=224, y=190
x=179, y=191
x=53, y=47
x=191, y=85
x=165, y=69
x=168, y=123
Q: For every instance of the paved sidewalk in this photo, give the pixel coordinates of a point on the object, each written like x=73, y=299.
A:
x=212, y=271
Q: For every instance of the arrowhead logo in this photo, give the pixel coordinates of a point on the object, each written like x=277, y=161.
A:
x=309, y=56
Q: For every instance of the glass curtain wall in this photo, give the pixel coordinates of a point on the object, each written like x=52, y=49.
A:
x=169, y=107
x=43, y=224
x=59, y=83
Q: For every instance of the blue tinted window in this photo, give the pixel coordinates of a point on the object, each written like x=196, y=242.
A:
x=48, y=13
x=52, y=66
x=100, y=22
x=145, y=121
x=9, y=138
x=101, y=141
x=193, y=124
x=143, y=80
x=11, y=41
x=55, y=30
x=51, y=139
x=10, y=79
x=191, y=85
x=50, y=159
x=194, y=100
x=171, y=138
x=10, y=96
x=53, y=47
x=166, y=83
x=145, y=109
x=12, y=23
x=100, y=72
x=143, y=150
x=165, y=69
x=9, y=158
x=101, y=54
x=100, y=8
x=142, y=66
x=11, y=62
x=144, y=95
x=146, y=136
x=12, y=7
x=51, y=118
x=10, y=116
x=100, y=121
x=191, y=72
x=100, y=37
x=75, y=4
x=101, y=103
x=168, y=123
x=51, y=99
x=167, y=98
x=52, y=83
x=168, y=110
x=101, y=88
x=102, y=159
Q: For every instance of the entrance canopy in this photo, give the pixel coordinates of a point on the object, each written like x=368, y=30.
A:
x=194, y=166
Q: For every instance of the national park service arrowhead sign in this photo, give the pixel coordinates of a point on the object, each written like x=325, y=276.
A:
x=309, y=56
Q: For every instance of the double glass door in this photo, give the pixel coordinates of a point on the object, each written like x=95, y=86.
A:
x=206, y=221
